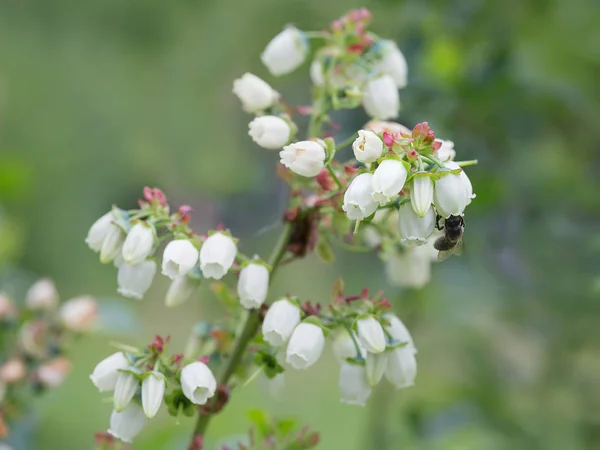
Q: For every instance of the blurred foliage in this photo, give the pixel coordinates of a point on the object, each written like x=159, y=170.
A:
x=99, y=98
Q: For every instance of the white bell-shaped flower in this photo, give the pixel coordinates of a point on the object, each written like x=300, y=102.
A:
x=370, y=333
x=79, y=314
x=344, y=346
x=450, y=195
x=135, y=280
x=316, y=73
x=393, y=63
x=139, y=243
x=465, y=179
x=398, y=331
x=286, y=51
x=217, y=255
x=354, y=387
x=305, y=346
x=375, y=365
x=180, y=290
x=381, y=100
x=198, y=382
x=388, y=180
x=153, y=391
x=401, y=368
x=421, y=193
x=367, y=147
x=358, y=202
x=127, y=424
x=42, y=295
x=113, y=244
x=179, y=258
x=125, y=388
x=305, y=158
x=254, y=93
x=253, y=285
x=414, y=230
x=99, y=230
x=411, y=268
x=446, y=152
x=270, y=132
x=282, y=317
x=106, y=372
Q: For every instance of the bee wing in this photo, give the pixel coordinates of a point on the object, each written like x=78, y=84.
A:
x=444, y=255
x=456, y=250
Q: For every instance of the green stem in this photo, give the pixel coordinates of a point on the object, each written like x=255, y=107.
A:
x=248, y=332
x=354, y=341
x=335, y=177
x=345, y=143
x=470, y=162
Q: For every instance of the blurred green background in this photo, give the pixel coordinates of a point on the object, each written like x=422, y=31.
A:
x=102, y=97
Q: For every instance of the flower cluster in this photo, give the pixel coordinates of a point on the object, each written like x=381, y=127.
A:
x=33, y=339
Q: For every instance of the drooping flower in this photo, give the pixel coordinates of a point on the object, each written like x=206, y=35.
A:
x=79, y=314
x=401, y=368
x=370, y=333
x=42, y=295
x=280, y=321
x=450, y=195
x=217, y=255
x=139, y=243
x=125, y=388
x=375, y=365
x=446, y=152
x=180, y=290
x=388, y=181
x=305, y=346
x=153, y=391
x=54, y=372
x=393, y=63
x=398, y=331
x=99, y=231
x=106, y=372
x=127, y=424
x=135, y=280
x=253, y=285
x=270, y=132
x=254, y=93
x=358, y=202
x=421, y=193
x=354, y=387
x=286, y=51
x=198, y=382
x=411, y=268
x=179, y=258
x=344, y=345
x=367, y=147
x=381, y=100
x=305, y=158
x=414, y=230
x=12, y=371
x=465, y=179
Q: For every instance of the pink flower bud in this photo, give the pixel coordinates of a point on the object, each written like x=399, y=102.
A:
x=79, y=314
x=422, y=131
x=6, y=307
x=12, y=371
x=53, y=373
x=42, y=295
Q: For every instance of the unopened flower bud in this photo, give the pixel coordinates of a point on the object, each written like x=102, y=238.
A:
x=286, y=51
x=381, y=99
x=401, y=368
x=270, y=132
x=139, y=243
x=414, y=230
x=388, y=180
x=106, y=372
x=42, y=295
x=99, y=231
x=153, y=391
x=12, y=371
x=465, y=179
x=424, y=132
x=181, y=290
x=421, y=193
x=281, y=319
x=79, y=314
x=305, y=158
x=316, y=72
x=179, y=258
x=354, y=387
x=358, y=202
x=367, y=147
x=305, y=346
x=398, y=331
x=53, y=373
x=112, y=244
x=370, y=333
x=127, y=424
x=125, y=388
x=217, y=255
x=446, y=151
x=393, y=63
x=198, y=382
x=375, y=365
x=254, y=93
x=253, y=285
x=450, y=195
x=6, y=307
x=135, y=280
x=344, y=346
